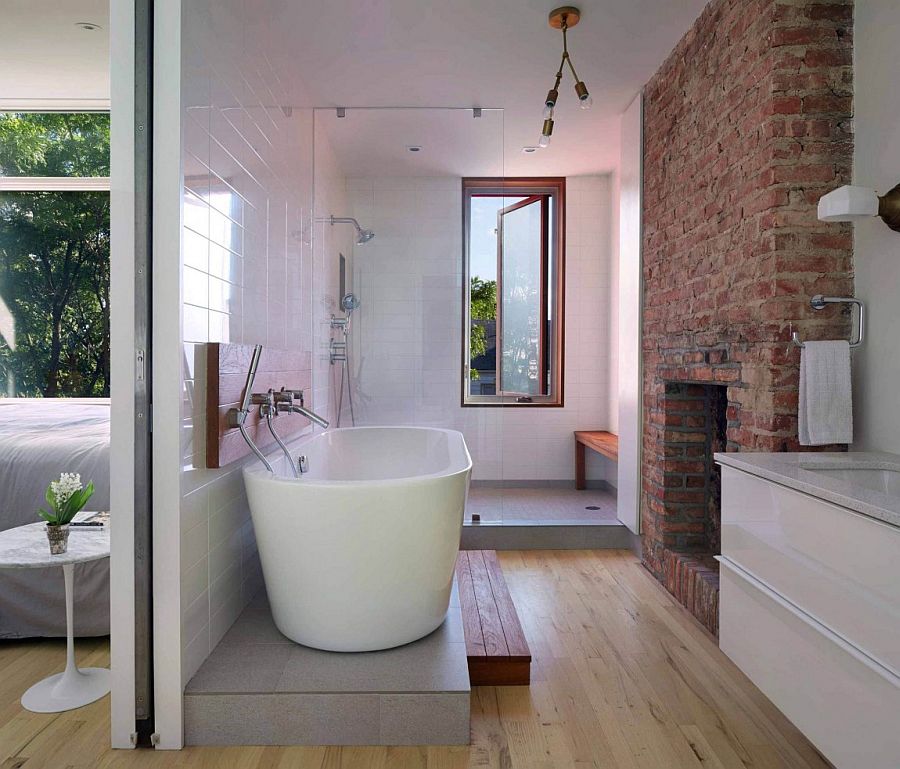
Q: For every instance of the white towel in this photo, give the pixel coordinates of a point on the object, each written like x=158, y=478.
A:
x=826, y=406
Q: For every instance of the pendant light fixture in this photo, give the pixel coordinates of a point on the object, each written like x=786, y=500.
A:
x=563, y=18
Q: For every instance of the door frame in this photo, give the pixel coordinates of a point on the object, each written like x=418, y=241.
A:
x=130, y=416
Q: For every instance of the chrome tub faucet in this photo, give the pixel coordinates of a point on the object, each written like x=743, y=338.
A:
x=285, y=401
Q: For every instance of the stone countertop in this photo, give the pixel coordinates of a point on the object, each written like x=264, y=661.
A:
x=795, y=470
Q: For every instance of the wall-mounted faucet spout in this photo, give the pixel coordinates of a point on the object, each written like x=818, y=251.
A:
x=312, y=417
x=284, y=401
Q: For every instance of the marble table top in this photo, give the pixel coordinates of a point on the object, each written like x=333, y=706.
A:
x=26, y=547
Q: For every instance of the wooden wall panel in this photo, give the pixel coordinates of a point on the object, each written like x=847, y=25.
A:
x=226, y=372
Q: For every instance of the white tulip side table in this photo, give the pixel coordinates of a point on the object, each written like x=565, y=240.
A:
x=26, y=547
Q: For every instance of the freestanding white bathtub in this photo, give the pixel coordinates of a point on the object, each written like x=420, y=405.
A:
x=359, y=552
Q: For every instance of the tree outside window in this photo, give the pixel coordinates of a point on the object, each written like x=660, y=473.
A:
x=54, y=255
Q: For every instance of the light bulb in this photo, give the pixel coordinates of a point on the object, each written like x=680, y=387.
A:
x=583, y=94
x=548, y=112
x=545, y=141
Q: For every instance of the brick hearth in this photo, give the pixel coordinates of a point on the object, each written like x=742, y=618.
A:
x=746, y=125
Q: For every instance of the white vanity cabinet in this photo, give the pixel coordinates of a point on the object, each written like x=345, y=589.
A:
x=810, y=599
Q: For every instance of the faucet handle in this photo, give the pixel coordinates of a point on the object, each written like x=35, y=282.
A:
x=292, y=395
x=262, y=399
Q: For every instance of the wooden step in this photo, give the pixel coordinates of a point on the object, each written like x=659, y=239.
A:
x=497, y=651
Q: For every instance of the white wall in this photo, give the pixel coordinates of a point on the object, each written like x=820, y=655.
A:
x=876, y=163
x=629, y=317
x=408, y=329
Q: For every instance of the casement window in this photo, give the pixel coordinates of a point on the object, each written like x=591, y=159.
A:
x=513, y=289
x=54, y=254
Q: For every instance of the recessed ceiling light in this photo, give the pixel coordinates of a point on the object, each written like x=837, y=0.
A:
x=87, y=25
x=414, y=148
x=529, y=150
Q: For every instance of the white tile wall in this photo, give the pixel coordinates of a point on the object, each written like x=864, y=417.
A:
x=255, y=271
x=407, y=335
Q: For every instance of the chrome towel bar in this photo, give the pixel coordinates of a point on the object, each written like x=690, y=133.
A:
x=819, y=302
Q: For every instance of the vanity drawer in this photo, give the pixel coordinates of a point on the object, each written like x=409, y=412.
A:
x=836, y=565
x=843, y=704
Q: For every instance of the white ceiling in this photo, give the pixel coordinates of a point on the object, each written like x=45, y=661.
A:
x=374, y=142
x=489, y=53
x=393, y=53
x=45, y=60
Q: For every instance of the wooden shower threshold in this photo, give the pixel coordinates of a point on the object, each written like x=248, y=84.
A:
x=496, y=648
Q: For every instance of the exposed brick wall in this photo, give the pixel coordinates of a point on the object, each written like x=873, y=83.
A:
x=746, y=124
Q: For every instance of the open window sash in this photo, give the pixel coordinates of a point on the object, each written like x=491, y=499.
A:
x=522, y=276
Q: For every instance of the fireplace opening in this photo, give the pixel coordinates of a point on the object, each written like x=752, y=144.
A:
x=687, y=532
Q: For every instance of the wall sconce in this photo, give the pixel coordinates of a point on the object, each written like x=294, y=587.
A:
x=850, y=204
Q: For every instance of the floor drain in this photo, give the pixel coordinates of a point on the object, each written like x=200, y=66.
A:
x=592, y=507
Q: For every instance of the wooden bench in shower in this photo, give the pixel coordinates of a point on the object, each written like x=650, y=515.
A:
x=602, y=442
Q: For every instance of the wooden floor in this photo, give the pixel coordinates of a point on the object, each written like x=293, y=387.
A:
x=621, y=677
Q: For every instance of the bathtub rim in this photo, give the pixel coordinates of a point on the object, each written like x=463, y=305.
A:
x=257, y=470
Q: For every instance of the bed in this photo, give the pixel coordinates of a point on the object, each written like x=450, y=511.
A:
x=39, y=439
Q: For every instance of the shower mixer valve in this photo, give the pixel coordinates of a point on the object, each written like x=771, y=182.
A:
x=337, y=351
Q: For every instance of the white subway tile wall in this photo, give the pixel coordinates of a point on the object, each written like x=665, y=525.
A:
x=407, y=333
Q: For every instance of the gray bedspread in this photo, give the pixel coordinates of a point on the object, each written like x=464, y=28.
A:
x=39, y=439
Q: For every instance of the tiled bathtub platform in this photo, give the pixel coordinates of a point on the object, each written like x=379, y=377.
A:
x=259, y=688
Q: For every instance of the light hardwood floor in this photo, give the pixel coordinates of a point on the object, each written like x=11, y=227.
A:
x=621, y=677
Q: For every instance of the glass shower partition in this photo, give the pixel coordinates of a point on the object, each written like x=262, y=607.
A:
x=399, y=173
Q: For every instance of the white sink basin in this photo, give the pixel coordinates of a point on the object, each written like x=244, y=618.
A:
x=874, y=479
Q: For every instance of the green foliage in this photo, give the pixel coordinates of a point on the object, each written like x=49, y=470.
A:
x=60, y=515
x=482, y=306
x=54, y=258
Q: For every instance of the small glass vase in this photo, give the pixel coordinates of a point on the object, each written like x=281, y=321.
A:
x=58, y=537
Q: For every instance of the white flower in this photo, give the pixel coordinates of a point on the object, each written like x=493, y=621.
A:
x=65, y=487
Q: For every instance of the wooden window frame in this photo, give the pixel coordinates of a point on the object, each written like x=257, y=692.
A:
x=552, y=345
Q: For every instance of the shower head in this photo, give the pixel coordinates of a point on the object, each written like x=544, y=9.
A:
x=362, y=236
x=349, y=303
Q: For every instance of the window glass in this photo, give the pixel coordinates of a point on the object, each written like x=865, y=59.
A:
x=54, y=258
x=54, y=144
x=512, y=266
